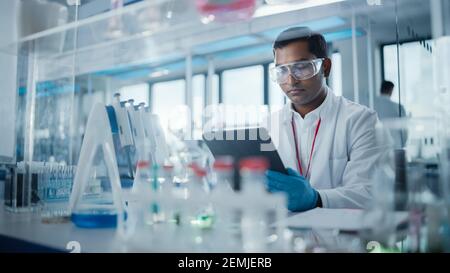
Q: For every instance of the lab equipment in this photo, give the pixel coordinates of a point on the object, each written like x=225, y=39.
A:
x=400, y=186
x=158, y=214
x=103, y=208
x=380, y=212
x=260, y=209
x=3, y=173
x=123, y=137
x=168, y=175
x=54, y=186
x=14, y=187
x=166, y=207
x=225, y=11
x=198, y=212
x=149, y=184
x=135, y=113
x=299, y=70
x=141, y=186
x=155, y=136
x=188, y=154
x=202, y=215
x=301, y=196
x=223, y=168
x=42, y=187
x=21, y=186
x=442, y=84
x=416, y=187
x=199, y=217
x=227, y=211
x=419, y=197
x=445, y=186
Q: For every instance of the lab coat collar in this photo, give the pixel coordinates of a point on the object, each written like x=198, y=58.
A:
x=385, y=97
x=311, y=118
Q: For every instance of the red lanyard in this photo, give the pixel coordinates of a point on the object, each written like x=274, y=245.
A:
x=299, y=164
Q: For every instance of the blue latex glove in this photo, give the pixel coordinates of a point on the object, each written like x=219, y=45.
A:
x=301, y=196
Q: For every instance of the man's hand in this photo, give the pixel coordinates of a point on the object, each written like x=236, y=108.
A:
x=301, y=196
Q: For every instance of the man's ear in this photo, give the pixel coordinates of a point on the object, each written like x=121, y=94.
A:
x=326, y=67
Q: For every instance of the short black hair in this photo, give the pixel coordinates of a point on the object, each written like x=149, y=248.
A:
x=316, y=41
x=386, y=87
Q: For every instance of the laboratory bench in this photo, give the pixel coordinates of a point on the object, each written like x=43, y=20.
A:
x=32, y=234
x=29, y=232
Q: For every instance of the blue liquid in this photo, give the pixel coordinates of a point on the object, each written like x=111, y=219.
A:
x=126, y=183
x=95, y=218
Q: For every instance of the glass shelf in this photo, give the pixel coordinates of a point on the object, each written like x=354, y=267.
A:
x=152, y=32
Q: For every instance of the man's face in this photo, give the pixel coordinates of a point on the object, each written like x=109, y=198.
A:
x=301, y=92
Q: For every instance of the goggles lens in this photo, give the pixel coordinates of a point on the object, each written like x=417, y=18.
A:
x=299, y=70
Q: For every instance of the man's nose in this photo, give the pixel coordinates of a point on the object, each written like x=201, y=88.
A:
x=291, y=79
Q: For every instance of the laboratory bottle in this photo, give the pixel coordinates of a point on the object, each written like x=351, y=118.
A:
x=254, y=222
x=226, y=207
x=146, y=188
x=202, y=214
x=166, y=193
x=223, y=169
x=167, y=178
x=253, y=175
x=156, y=206
x=379, y=214
x=143, y=177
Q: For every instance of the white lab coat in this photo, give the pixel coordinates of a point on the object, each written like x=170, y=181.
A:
x=345, y=153
x=387, y=110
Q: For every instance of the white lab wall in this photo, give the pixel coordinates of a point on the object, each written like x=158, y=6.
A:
x=8, y=74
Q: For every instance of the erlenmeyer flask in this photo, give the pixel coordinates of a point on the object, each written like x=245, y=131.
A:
x=95, y=205
x=96, y=198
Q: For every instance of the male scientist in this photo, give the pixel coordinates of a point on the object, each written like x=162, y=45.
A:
x=328, y=143
x=387, y=109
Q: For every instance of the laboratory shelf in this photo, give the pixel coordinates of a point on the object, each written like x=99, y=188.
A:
x=145, y=33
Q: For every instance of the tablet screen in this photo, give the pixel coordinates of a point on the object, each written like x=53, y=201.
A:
x=242, y=143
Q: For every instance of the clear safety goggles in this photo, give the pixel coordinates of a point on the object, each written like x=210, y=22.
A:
x=302, y=70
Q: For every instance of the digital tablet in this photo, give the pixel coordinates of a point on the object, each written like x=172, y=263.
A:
x=242, y=143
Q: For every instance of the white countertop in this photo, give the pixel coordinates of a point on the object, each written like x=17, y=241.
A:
x=29, y=227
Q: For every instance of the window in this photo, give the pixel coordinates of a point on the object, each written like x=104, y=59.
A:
x=416, y=71
x=336, y=73
x=243, y=96
x=168, y=100
x=139, y=93
x=276, y=96
x=243, y=86
x=215, y=89
x=198, y=93
x=390, y=69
